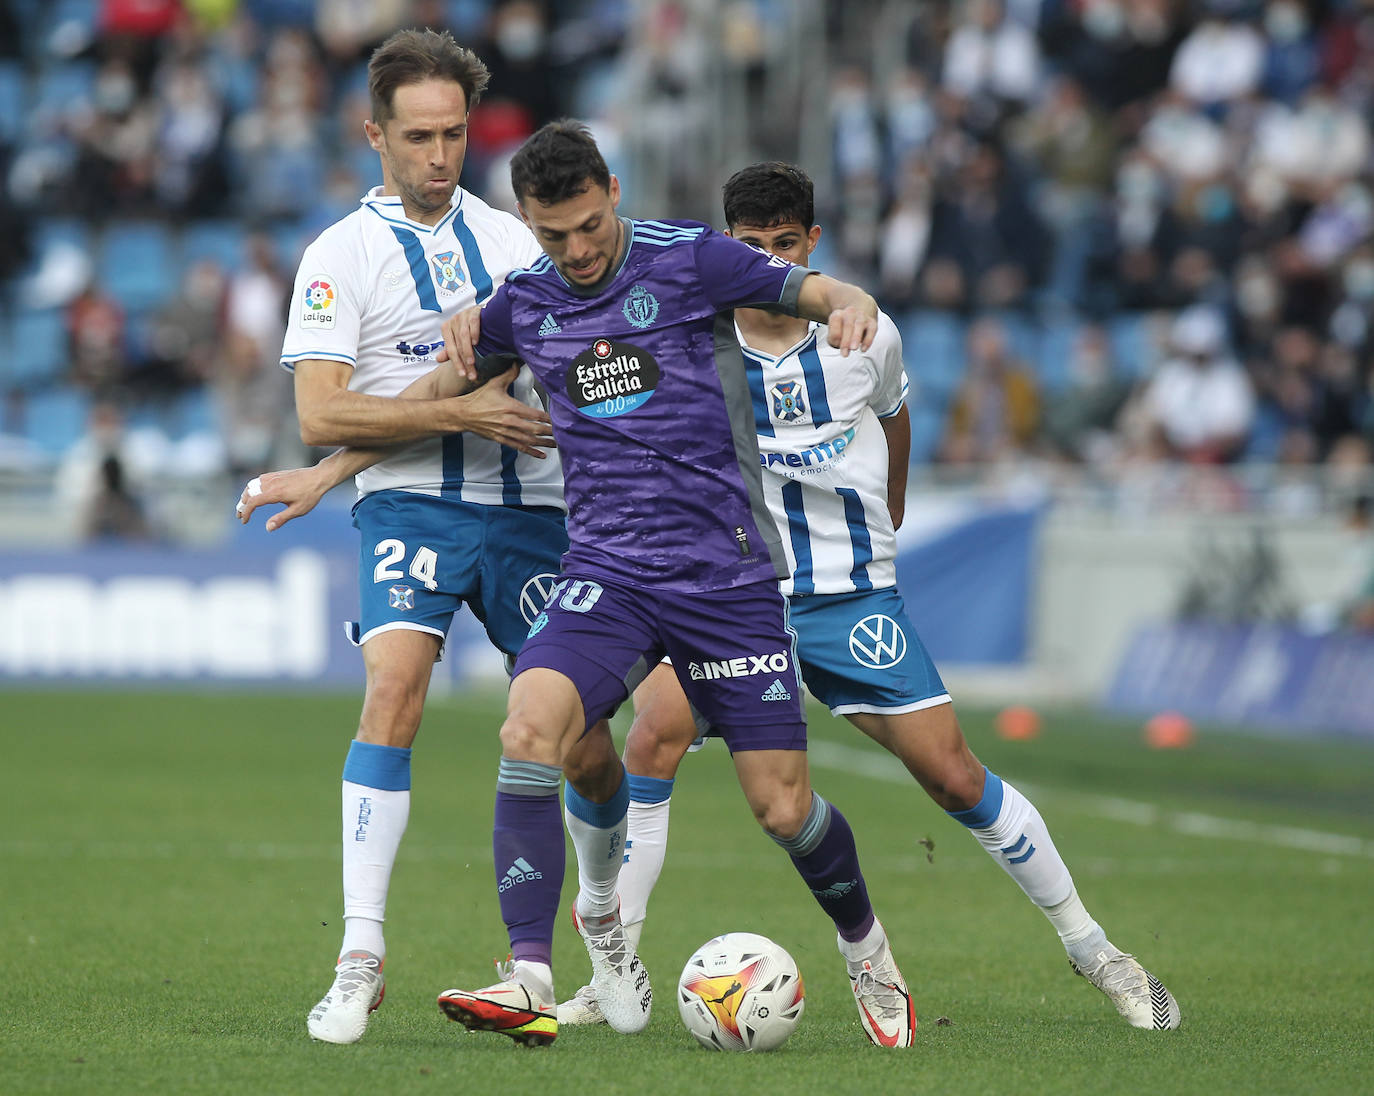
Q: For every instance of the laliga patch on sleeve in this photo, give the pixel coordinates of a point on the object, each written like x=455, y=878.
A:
x=319, y=302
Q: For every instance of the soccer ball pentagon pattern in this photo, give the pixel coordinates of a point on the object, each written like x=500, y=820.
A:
x=740, y=991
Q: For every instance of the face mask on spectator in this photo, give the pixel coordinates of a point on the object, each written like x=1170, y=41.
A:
x=1285, y=22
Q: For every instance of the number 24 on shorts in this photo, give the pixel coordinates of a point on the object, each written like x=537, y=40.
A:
x=392, y=551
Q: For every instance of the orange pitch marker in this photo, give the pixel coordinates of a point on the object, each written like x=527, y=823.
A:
x=1169, y=731
x=1018, y=723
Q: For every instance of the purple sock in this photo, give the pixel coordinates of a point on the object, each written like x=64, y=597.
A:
x=825, y=857
x=528, y=852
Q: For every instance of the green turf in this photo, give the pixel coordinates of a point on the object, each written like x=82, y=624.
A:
x=169, y=891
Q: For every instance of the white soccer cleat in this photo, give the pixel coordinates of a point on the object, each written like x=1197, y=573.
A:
x=509, y=1008
x=1137, y=994
x=619, y=979
x=343, y=1012
x=581, y=1009
x=885, y=1008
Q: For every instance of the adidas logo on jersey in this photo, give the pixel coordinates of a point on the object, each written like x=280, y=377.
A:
x=549, y=326
x=776, y=691
x=519, y=872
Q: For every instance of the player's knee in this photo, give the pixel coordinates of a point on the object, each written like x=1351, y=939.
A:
x=523, y=739
x=392, y=708
x=784, y=814
x=956, y=781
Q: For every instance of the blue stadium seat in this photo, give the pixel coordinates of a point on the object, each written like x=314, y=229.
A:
x=56, y=419
x=138, y=264
x=1052, y=363
x=218, y=240
x=933, y=346
x=1130, y=344
x=58, y=89
x=927, y=427
x=33, y=348
x=14, y=96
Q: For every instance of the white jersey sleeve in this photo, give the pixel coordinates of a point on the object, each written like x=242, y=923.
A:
x=373, y=291
x=889, y=370
x=328, y=301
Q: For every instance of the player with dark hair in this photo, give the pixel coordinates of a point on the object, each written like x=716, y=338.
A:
x=465, y=508
x=627, y=323
x=834, y=440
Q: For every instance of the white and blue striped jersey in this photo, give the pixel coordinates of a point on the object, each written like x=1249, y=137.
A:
x=824, y=457
x=371, y=292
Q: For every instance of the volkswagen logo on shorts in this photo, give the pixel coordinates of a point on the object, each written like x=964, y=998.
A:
x=535, y=594
x=877, y=641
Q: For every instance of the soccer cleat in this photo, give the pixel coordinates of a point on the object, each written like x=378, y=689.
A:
x=1137, y=994
x=582, y=1008
x=343, y=1012
x=509, y=1007
x=619, y=979
x=885, y=1007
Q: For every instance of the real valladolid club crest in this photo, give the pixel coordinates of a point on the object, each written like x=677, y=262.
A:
x=641, y=307
x=448, y=275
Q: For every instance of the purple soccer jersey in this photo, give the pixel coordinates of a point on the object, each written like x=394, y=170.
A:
x=651, y=406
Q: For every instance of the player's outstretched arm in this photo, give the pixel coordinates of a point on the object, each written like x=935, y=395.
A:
x=299, y=489
x=850, y=314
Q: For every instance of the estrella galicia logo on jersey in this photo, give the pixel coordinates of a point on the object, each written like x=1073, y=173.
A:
x=788, y=405
x=538, y=625
x=318, y=299
x=640, y=307
x=877, y=641
x=534, y=595
x=611, y=378
x=401, y=597
x=448, y=275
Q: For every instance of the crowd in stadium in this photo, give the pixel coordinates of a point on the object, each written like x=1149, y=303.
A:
x=1113, y=234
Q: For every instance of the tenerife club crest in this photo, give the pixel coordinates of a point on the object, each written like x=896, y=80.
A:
x=641, y=307
x=448, y=275
x=788, y=405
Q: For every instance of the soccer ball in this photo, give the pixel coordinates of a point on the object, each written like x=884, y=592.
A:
x=740, y=991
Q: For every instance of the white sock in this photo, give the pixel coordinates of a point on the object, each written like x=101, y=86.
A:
x=856, y=951
x=374, y=820
x=598, y=837
x=535, y=976
x=645, y=846
x=1009, y=827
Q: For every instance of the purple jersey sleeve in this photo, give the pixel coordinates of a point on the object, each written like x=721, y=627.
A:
x=498, y=332
x=736, y=275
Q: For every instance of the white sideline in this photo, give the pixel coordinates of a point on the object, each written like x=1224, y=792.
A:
x=884, y=767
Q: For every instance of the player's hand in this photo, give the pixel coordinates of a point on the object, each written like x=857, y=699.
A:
x=298, y=488
x=461, y=332
x=494, y=414
x=851, y=329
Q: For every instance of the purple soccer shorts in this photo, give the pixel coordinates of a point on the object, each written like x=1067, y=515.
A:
x=732, y=650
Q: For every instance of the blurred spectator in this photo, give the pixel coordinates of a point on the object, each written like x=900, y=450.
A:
x=184, y=342
x=991, y=63
x=114, y=513
x=252, y=391
x=996, y=411
x=1293, y=57
x=987, y=247
x=350, y=29
x=188, y=173
x=116, y=146
x=1219, y=62
x=96, y=355
x=1200, y=404
x=1080, y=421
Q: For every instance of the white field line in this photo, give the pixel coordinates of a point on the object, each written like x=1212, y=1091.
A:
x=828, y=755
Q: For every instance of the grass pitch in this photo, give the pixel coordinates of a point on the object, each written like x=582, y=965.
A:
x=169, y=886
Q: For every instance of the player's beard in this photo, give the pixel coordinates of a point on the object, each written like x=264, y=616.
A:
x=425, y=200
